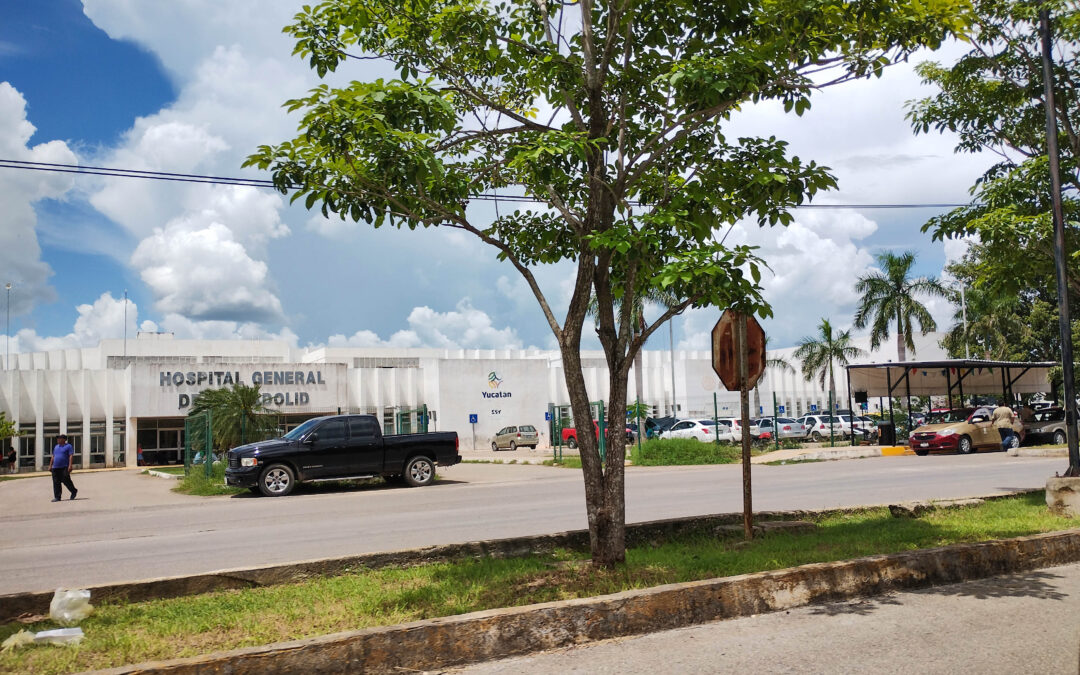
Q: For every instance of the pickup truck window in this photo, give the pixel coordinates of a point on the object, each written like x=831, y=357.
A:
x=302, y=430
x=334, y=430
x=362, y=427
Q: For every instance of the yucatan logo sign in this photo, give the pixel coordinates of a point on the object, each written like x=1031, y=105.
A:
x=493, y=383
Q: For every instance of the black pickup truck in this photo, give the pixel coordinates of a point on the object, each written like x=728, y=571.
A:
x=339, y=447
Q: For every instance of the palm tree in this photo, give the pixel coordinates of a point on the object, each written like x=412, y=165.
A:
x=777, y=362
x=890, y=294
x=819, y=354
x=237, y=413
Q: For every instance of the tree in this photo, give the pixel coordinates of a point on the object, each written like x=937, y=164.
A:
x=237, y=414
x=890, y=294
x=993, y=99
x=609, y=115
x=819, y=354
x=7, y=427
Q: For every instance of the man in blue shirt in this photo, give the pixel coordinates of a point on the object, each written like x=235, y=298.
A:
x=62, y=457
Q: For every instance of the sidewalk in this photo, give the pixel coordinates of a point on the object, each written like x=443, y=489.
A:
x=839, y=451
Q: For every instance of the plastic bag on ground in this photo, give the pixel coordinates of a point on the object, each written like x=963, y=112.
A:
x=60, y=636
x=20, y=639
x=69, y=607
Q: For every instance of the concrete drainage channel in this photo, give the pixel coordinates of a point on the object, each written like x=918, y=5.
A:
x=498, y=633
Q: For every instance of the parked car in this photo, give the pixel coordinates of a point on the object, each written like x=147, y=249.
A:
x=652, y=429
x=965, y=430
x=337, y=447
x=703, y=430
x=820, y=427
x=664, y=423
x=570, y=437
x=786, y=428
x=513, y=438
x=863, y=426
x=1048, y=427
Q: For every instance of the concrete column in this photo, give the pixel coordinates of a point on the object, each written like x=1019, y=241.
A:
x=131, y=458
x=109, y=435
x=39, y=419
x=84, y=384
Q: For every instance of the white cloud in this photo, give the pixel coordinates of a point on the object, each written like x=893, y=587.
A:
x=466, y=326
x=100, y=320
x=205, y=274
x=186, y=329
x=20, y=252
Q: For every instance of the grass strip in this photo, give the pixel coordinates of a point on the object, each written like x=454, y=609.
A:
x=118, y=634
x=686, y=451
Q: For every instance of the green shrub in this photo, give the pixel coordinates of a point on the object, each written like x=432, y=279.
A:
x=682, y=451
x=198, y=483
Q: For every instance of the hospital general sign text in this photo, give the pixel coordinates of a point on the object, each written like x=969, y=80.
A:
x=291, y=386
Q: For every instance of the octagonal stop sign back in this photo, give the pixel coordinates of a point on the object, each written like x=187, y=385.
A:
x=725, y=358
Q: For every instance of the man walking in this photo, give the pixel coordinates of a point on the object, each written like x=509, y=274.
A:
x=1001, y=418
x=62, y=457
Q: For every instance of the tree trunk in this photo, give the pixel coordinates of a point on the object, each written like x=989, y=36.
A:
x=900, y=351
x=604, y=482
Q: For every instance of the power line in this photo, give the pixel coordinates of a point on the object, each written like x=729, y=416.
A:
x=262, y=183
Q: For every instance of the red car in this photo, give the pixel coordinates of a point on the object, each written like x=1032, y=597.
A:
x=569, y=434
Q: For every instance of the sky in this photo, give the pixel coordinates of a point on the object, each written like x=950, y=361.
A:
x=194, y=86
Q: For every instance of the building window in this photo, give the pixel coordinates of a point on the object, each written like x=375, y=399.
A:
x=97, y=442
x=118, y=442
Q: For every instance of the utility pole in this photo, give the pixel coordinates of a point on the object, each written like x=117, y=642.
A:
x=1059, y=249
x=125, y=328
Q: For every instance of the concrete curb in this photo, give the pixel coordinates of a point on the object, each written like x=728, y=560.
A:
x=1038, y=452
x=163, y=474
x=481, y=636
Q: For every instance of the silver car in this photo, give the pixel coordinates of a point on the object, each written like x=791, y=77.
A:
x=788, y=427
x=513, y=438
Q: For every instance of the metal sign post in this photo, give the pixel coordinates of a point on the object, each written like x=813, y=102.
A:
x=744, y=406
x=473, y=419
x=738, y=351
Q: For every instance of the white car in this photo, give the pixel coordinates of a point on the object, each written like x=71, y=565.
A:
x=863, y=424
x=702, y=430
x=789, y=428
x=821, y=427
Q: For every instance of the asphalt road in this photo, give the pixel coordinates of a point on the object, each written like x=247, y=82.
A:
x=126, y=526
x=1021, y=623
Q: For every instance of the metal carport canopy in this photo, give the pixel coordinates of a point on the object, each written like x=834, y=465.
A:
x=939, y=378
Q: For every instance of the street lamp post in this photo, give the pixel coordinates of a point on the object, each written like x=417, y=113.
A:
x=7, y=329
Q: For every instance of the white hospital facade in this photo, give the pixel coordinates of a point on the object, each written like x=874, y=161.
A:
x=121, y=396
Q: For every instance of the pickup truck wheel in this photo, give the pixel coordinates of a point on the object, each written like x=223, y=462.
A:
x=277, y=480
x=494, y=446
x=571, y=442
x=1059, y=438
x=513, y=446
x=419, y=471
